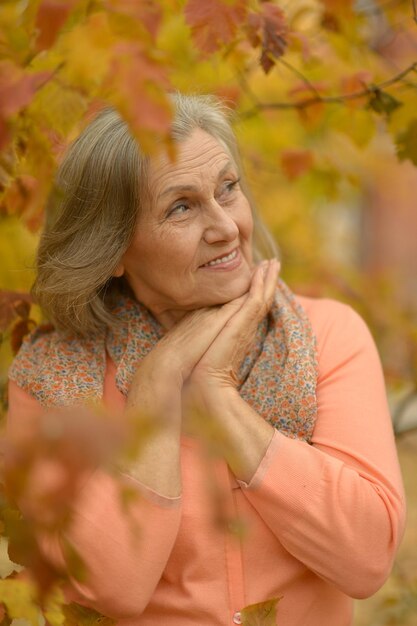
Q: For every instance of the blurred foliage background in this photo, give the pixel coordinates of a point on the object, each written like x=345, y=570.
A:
x=324, y=100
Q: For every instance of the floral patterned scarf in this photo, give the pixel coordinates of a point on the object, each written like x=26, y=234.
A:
x=277, y=378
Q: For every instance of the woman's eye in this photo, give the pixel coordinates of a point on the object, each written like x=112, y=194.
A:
x=231, y=185
x=179, y=209
x=228, y=187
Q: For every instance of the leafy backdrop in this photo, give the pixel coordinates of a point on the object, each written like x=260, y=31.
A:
x=324, y=94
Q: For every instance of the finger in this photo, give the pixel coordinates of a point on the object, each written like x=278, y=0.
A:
x=252, y=309
x=257, y=282
x=271, y=282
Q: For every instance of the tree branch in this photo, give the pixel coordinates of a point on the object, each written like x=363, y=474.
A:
x=300, y=75
x=339, y=99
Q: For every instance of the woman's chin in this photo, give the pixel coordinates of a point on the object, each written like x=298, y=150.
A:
x=227, y=293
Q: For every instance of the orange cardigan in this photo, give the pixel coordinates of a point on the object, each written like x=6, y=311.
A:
x=322, y=522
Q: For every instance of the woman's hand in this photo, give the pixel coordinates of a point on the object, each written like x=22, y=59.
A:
x=219, y=365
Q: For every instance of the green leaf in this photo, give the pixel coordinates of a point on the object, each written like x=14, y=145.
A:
x=383, y=102
x=261, y=614
x=407, y=143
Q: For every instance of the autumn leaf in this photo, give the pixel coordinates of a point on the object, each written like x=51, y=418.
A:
x=407, y=143
x=19, y=598
x=268, y=29
x=87, y=49
x=17, y=88
x=261, y=614
x=146, y=12
x=20, y=196
x=214, y=22
x=335, y=6
x=77, y=615
x=53, y=608
x=13, y=304
x=19, y=332
x=296, y=162
x=51, y=16
x=353, y=84
x=137, y=86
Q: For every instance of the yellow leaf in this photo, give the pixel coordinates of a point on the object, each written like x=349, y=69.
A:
x=19, y=599
x=58, y=106
x=87, y=49
x=53, y=611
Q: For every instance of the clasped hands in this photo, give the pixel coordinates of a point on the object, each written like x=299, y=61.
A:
x=200, y=356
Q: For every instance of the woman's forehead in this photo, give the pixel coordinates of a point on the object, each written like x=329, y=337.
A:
x=198, y=155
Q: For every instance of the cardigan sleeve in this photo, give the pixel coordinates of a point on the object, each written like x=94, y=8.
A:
x=338, y=505
x=124, y=553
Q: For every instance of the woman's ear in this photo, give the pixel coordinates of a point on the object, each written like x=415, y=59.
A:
x=119, y=271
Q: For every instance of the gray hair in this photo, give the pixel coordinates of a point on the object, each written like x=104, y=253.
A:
x=94, y=206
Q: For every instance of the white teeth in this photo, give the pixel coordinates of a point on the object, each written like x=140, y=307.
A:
x=223, y=259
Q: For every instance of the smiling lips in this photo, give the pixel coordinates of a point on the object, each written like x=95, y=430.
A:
x=228, y=261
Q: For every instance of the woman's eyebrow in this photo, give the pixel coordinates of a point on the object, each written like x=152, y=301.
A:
x=182, y=188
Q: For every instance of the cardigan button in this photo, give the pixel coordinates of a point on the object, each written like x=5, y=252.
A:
x=237, y=618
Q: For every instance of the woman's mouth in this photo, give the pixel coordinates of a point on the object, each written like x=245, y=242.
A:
x=226, y=262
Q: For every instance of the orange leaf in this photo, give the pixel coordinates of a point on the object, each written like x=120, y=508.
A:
x=16, y=91
x=230, y=94
x=337, y=6
x=311, y=114
x=21, y=196
x=17, y=87
x=138, y=84
x=268, y=29
x=13, y=304
x=214, y=22
x=296, y=162
x=51, y=16
x=19, y=332
x=352, y=84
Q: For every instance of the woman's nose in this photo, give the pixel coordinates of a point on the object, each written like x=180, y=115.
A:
x=220, y=225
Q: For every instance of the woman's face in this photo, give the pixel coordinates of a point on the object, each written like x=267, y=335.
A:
x=192, y=245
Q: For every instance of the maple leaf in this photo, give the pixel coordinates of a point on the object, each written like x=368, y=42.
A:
x=137, y=85
x=354, y=83
x=261, y=613
x=146, y=12
x=19, y=598
x=17, y=88
x=13, y=304
x=51, y=16
x=21, y=195
x=335, y=6
x=19, y=332
x=268, y=29
x=214, y=22
x=296, y=162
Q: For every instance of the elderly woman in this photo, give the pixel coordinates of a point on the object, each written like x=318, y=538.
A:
x=151, y=272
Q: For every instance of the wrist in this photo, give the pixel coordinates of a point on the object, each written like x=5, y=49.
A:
x=211, y=392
